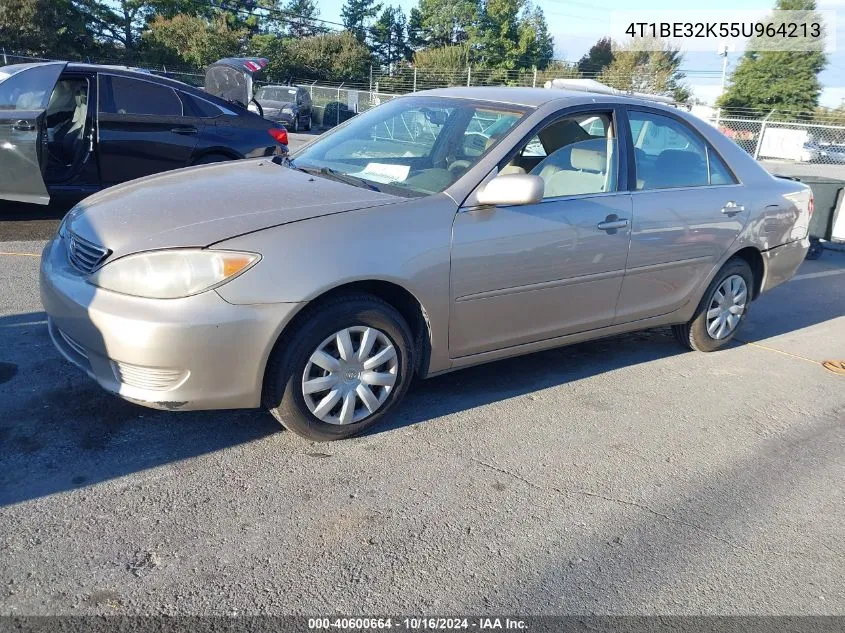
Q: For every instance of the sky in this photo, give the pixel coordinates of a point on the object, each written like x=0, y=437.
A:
x=577, y=24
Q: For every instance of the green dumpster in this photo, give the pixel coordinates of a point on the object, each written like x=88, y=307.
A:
x=826, y=192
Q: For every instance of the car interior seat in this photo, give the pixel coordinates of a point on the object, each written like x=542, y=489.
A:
x=575, y=169
x=677, y=168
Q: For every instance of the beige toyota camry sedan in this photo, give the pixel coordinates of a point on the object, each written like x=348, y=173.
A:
x=437, y=231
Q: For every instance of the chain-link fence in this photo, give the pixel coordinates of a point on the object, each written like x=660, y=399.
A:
x=333, y=105
x=774, y=139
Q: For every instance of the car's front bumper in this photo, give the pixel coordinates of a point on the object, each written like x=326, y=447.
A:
x=782, y=261
x=199, y=352
x=284, y=118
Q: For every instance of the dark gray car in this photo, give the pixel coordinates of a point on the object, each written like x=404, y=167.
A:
x=288, y=105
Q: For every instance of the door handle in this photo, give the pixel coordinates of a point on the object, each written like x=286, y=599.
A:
x=185, y=130
x=612, y=225
x=23, y=126
x=732, y=208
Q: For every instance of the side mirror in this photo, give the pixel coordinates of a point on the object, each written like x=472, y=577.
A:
x=512, y=189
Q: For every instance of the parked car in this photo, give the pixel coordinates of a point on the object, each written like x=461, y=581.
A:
x=318, y=287
x=73, y=129
x=288, y=105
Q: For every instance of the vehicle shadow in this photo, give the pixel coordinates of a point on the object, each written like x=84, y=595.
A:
x=59, y=430
x=20, y=221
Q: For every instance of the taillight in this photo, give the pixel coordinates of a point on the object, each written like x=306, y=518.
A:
x=279, y=134
x=811, y=205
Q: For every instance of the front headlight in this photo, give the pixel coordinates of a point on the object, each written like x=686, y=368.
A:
x=172, y=274
x=287, y=110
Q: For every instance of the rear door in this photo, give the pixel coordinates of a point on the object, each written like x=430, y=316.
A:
x=688, y=208
x=144, y=129
x=25, y=91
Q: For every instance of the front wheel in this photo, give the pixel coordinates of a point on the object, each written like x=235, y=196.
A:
x=721, y=311
x=342, y=370
x=295, y=126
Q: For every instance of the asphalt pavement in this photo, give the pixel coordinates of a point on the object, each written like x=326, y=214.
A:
x=622, y=476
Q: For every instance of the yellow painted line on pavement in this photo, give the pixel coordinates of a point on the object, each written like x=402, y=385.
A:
x=20, y=254
x=779, y=351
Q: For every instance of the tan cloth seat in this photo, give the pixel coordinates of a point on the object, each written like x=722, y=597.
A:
x=575, y=169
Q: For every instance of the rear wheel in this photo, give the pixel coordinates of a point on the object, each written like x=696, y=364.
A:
x=721, y=311
x=342, y=370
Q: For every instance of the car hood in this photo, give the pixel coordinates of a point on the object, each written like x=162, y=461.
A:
x=198, y=206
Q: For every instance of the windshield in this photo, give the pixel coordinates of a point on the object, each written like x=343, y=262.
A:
x=411, y=146
x=276, y=94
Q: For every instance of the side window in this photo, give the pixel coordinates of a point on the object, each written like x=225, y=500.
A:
x=123, y=95
x=719, y=172
x=198, y=107
x=28, y=89
x=575, y=155
x=667, y=153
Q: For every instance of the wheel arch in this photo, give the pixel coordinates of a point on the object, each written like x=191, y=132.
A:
x=754, y=258
x=399, y=297
x=215, y=151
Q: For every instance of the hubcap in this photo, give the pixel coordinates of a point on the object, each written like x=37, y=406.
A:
x=350, y=375
x=727, y=305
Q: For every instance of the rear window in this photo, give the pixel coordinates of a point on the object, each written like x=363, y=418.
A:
x=123, y=95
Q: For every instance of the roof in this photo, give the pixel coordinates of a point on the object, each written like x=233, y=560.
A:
x=533, y=97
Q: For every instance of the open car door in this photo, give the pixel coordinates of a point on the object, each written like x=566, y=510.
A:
x=232, y=78
x=25, y=91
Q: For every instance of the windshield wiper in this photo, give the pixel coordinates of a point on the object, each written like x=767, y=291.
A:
x=346, y=178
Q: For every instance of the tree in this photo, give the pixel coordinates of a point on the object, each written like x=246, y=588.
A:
x=597, y=58
x=193, y=39
x=536, y=45
x=43, y=27
x=647, y=66
x=336, y=56
x=768, y=80
x=443, y=22
x=301, y=15
x=497, y=37
x=116, y=22
x=356, y=16
x=389, y=43
x=416, y=30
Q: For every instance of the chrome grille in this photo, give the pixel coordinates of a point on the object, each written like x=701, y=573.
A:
x=153, y=378
x=85, y=255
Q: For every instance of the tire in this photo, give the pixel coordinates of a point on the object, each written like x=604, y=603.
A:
x=308, y=129
x=295, y=126
x=694, y=334
x=291, y=364
x=210, y=159
x=816, y=249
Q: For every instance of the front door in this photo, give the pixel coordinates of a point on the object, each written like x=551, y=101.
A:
x=527, y=273
x=25, y=91
x=142, y=129
x=688, y=210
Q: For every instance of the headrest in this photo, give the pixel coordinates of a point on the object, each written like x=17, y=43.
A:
x=587, y=159
x=678, y=160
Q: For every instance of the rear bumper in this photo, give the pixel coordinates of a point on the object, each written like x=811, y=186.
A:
x=782, y=261
x=199, y=352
